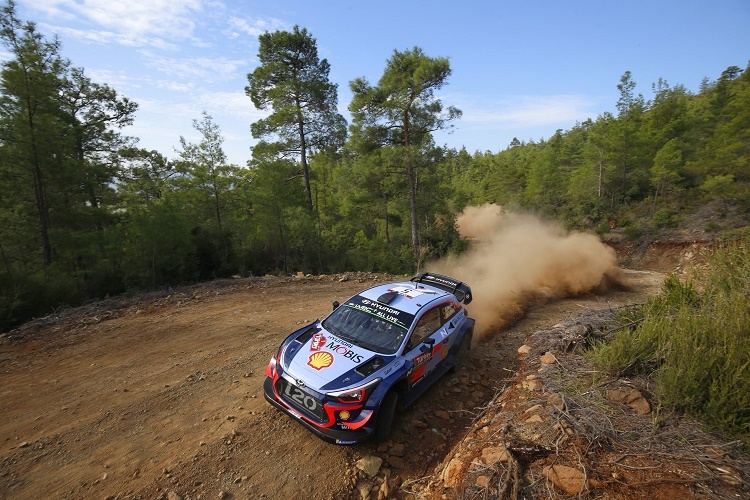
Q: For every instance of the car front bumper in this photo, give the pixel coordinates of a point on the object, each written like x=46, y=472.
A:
x=335, y=436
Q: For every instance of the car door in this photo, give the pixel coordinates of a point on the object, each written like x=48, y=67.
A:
x=430, y=341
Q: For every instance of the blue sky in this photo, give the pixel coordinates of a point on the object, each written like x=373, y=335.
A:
x=520, y=68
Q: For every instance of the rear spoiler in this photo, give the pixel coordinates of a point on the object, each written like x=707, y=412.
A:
x=457, y=288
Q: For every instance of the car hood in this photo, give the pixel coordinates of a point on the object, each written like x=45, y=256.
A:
x=325, y=358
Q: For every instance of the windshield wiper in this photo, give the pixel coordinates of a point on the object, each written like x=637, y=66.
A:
x=330, y=328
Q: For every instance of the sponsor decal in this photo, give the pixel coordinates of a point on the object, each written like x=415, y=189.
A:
x=389, y=314
x=416, y=374
x=345, y=351
x=320, y=360
x=299, y=397
x=318, y=340
x=344, y=415
x=437, y=348
x=409, y=293
x=422, y=359
x=340, y=341
x=438, y=279
x=345, y=441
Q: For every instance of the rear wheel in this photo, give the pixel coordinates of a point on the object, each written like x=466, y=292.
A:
x=385, y=416
x=463, y=352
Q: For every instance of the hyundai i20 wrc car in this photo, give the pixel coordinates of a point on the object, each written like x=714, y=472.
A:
x=344, y=377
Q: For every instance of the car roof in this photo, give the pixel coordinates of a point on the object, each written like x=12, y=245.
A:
x=406, y=296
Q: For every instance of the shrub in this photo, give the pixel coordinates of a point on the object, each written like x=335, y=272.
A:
x=632, y=231
x=664, y=218
x=695, y=344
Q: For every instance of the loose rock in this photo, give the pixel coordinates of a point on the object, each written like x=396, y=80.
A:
x=548, y=358
x=568, y=479
x=398, y=450
x=493, y=454
x=453, y=472
x=482, y=481
x=370, y=465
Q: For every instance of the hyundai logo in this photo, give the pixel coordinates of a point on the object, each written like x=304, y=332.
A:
x=300, y=382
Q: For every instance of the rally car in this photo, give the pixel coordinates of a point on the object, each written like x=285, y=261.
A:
x=344, y=377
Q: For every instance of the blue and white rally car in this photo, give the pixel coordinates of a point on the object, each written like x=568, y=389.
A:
x=343, y=377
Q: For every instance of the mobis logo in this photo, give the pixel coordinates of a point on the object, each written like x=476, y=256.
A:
x=345, y=351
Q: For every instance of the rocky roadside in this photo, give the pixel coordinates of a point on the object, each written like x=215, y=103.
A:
x=380, y=472
x=562, y=429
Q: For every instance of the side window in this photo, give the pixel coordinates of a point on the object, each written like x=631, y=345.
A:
x=427, y=325
x=447, y=311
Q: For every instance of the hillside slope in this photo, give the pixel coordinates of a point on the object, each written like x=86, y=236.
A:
x=160, y=396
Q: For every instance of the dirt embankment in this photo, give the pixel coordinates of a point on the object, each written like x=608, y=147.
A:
x=561, y=429
x=161, y=397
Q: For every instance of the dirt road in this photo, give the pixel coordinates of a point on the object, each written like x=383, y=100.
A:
x=165, y=398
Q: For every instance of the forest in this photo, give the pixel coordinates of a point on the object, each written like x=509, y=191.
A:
x=86, y=214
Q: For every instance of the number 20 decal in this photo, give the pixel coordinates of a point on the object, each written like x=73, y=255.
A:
x=300, y=397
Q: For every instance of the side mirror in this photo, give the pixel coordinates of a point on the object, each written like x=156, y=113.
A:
x=426, y=344
x=335, y=304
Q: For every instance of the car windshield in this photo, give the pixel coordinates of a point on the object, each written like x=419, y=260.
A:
x=366, y=326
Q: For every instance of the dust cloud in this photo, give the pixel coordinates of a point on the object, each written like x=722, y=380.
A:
x=517, y=260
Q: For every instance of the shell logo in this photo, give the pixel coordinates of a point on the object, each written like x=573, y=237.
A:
x=320, y=359
x=344, y=415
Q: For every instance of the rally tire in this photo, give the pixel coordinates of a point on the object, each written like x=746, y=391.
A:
x=385, y=417
x=463, y=352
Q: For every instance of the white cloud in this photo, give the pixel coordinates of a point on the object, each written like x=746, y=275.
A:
x=206, y=68
x=235, y=104
x=254, y=26
x=173, y=86
x=526, y=111
x=104, y=37
x=53, y=8
x=118, y=80
x=160, y=123
x=132, y=17
x=141, y=17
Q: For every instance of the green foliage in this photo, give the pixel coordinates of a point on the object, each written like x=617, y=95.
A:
x=671, y=153
x=719, y=186
x=84, y=213
x=293, y=81
x=695, y=343
x=664, y=218
x=206, y=179
x=58, y=149
x=399, y=114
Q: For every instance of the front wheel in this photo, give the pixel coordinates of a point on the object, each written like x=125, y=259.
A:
x=385, y=416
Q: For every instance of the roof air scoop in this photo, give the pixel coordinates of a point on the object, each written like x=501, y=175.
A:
x=387, y=297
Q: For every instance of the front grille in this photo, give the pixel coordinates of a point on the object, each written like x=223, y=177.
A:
x=301, y=400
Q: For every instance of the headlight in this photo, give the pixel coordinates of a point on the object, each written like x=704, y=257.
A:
x=271, y=368
x=355, y=395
